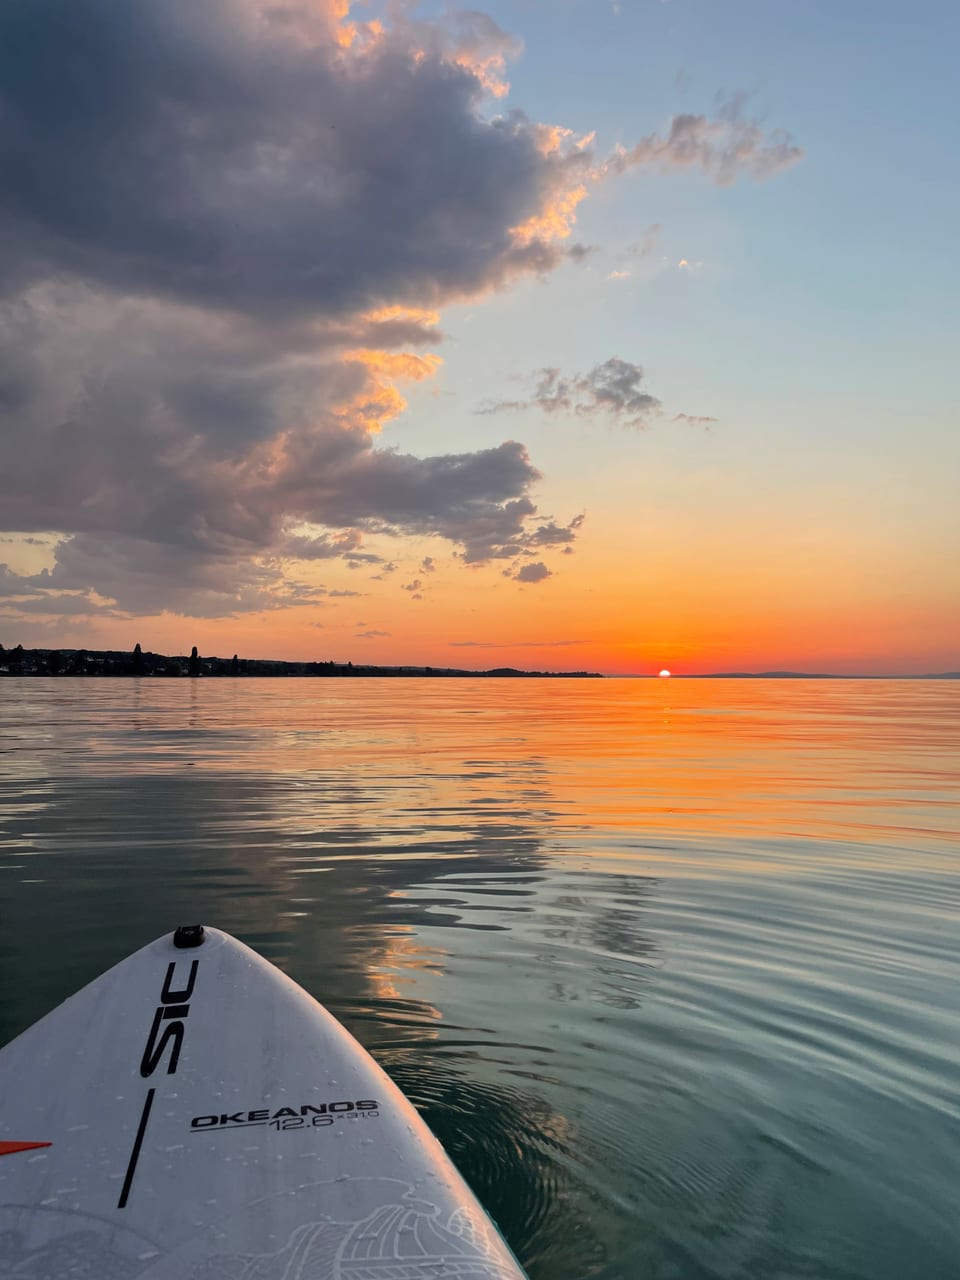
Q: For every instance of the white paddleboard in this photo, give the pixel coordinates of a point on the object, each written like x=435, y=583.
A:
x=193, y=1114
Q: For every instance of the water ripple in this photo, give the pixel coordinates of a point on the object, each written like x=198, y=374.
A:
x=674, y=974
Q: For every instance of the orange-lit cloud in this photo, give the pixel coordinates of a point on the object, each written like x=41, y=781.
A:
x=555, y=221
x=380, y=401
x=192, y=405
x=401, y=366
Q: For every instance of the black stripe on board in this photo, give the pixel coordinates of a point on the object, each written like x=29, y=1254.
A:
x=135, y=1153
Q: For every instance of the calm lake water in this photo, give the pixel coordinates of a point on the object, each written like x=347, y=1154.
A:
x=671, y=968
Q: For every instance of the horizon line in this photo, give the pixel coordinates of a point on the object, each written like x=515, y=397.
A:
x=770, y=674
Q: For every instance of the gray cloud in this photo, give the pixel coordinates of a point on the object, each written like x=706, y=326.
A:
x=35, y=594
x=327, y=547
x=115, y=440
x=612, y=389
x=723, y=148
x=202, y=153
x=536, y=571
x=217, y=226
x=118, y=576
x=372, y=635
x=581, y=252
x=213, y=226
x=144, y=576
x=385, y=572
x=552, y=534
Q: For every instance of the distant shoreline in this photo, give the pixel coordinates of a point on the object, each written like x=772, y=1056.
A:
x=20, y=662
x=110, y=663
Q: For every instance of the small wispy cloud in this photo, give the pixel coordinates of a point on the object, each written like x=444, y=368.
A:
x=537, y=571
x=371, y=635
x=384, y=572
x=722, y=148
x=612, y=389
x=552, y=534
x=694, y=420
x=581, y=252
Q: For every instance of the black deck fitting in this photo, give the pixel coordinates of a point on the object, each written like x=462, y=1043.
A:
x=188, y=935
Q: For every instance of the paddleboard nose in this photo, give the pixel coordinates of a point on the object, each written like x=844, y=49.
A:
x=189, y=935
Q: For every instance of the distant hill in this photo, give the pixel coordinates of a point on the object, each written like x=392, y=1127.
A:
x=63, y=663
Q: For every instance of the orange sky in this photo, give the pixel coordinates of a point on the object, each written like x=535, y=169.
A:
x=614, y=381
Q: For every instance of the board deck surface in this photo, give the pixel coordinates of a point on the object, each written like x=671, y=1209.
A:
x=193, y=1114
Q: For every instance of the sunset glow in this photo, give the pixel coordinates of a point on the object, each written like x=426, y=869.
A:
x=456, y=351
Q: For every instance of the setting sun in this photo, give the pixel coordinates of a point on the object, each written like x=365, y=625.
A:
x=664, y=672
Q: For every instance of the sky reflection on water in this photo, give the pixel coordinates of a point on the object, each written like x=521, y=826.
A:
x=673, y=972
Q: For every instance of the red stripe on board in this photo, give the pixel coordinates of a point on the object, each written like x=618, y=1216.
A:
x=8, y=1148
